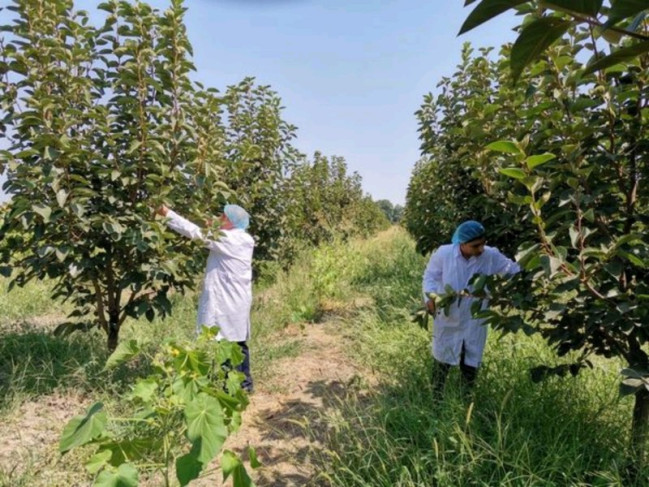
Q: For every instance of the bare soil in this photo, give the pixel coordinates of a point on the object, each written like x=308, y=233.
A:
x=284, y=421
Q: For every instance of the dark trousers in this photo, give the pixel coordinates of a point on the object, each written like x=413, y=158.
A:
x=244, y=367
x=440, y=373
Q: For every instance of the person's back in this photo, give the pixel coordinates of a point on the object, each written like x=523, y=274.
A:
x=226, y=298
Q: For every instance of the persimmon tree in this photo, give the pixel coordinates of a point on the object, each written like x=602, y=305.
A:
x=102, y=124
x=568, y=166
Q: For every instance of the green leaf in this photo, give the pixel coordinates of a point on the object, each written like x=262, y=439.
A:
x=574, y=236
x=505, y=146
x=98, y=461
x=486, y=10
x=125, y=476
x=635, y=260
x=638, y=21
x=188, y=468
x=134, y=146
x=61, y=197
x=83, y=429
x=535, y=38
x=124, y=351
x=623, y=9
x=620, y=55
x=205, y=424
x=44, y=211
x=586, y=7
x=232, y=465
x=634, y=374
x=254, y=461
x=535, y=161
x=145, y=389
x=513, y=172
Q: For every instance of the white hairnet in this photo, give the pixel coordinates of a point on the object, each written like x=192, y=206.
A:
x=237, y=215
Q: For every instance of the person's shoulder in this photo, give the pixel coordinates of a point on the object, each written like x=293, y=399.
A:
x=240, y=236
x=446, y=248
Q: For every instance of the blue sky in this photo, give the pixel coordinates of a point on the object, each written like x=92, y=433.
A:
x=351, y=73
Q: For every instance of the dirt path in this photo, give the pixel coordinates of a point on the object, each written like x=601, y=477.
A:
x=283, y=421
x=283, y=426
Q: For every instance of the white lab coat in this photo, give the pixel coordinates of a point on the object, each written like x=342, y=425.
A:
x=448, y=266
x=227, y=288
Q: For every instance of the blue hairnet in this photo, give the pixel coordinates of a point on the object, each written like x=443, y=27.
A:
x=467, y=231
x=237, y=215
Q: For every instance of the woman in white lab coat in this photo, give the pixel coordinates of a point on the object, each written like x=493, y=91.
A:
x=458, y=338
x=227, y=288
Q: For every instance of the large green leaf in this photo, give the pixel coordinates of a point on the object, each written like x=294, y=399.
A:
x=512, y=172
x=486, y=10
x=83, y=429
x=619, y=56
x=535, y=38
x=623, y=9
x=205, y=424
x=125, y=476
x=123, y=352
x=232, y=465
x=188, y=468
x=505, y=146
x=539, y=159
x=586, y=7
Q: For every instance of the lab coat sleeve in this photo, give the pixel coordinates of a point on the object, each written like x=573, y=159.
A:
x=432, y=282
x=190, y=230
x=503, y=265
x=184, y=227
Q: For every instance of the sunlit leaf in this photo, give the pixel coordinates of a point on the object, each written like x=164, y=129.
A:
x=232, y=465
x=126, y=475
x=205, y=424
x=505, y=146
x=98, y=461
x=619, y=56
x=486, y=10
x=535, y=38
x=513, y=172
x=538, y=160
x=124, y=351
x=83, y=429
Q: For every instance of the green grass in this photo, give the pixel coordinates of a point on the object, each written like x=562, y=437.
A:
x=387, y=431
x=563, y=431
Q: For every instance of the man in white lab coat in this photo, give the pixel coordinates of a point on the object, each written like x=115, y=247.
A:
x=227, y=288
x=458, y=338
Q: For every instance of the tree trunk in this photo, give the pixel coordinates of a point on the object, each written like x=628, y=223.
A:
x=113, y=335
x=640, y=426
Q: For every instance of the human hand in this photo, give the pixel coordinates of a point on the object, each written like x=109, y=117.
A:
x=430, y=306
x=162, y=210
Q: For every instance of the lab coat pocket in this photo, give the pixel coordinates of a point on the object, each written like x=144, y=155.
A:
x=450, y=319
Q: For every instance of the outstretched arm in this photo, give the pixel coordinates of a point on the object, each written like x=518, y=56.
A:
x=181, y=225
x=503, y=265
